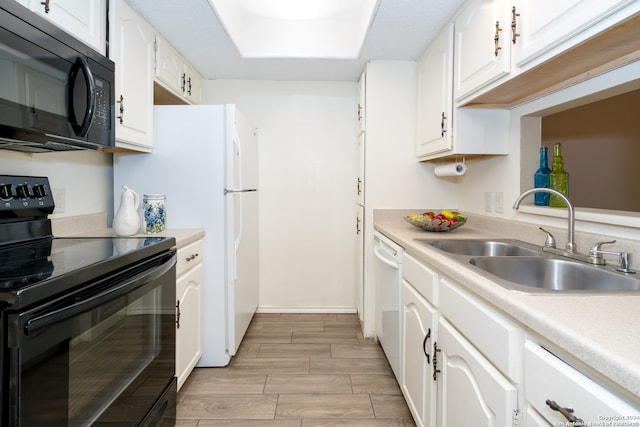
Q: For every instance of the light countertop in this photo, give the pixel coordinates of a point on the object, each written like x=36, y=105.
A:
x=95, y=225
x=601, y=331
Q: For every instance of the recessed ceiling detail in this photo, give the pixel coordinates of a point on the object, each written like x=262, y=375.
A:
x=328, y=29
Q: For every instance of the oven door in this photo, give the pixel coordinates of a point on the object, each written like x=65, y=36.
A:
x=103, y=354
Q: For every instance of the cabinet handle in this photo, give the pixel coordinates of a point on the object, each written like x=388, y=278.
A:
x=358, y=182
x=496, y=38
x=358, y=225
x=436, y=371
x=192, y=257
x=45, y=3
x=121, y=116
x=424, y=345
x=189, y=86
x=442, y=123
x=184, y=82
x=514, y=25
x=566, y=412
x=177, y=314
x=359, y=113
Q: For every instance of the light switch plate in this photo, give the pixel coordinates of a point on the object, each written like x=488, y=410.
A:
x=499, y=200
x=488, y=201
x=59, y=199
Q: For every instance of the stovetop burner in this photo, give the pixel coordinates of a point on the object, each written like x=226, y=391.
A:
x=25, y=264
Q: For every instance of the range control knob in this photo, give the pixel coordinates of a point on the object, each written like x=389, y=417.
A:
x=6, y=191
x=22, y=191
x=39, y=190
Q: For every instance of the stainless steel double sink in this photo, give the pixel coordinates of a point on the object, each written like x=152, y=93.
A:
x=520, y=266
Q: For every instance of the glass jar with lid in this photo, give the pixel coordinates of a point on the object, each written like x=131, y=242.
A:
x=155, y=213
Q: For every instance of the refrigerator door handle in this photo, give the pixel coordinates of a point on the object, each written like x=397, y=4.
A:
x=227, y=191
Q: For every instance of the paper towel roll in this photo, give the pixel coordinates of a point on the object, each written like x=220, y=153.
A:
x=450, y=169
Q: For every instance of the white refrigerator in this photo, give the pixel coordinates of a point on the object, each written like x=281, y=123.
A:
x=205, y=160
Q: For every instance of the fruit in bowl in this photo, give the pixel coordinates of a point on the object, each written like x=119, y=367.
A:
x=445, y=220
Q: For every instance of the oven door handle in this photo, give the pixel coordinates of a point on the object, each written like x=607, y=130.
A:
x=68, y=311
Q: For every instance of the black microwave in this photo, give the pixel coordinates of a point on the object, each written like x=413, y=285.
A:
x=56, y=93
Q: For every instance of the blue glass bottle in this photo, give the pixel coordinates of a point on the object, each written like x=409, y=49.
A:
x=541, y=179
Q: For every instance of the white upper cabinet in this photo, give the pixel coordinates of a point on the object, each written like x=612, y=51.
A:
x=132, y=50
x=435, y=103
x=497, y=41
x=85, y=20
x=482, y=45
x=175, y=74
x=545, y=24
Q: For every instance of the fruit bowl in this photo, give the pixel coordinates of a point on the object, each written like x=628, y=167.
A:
x=444, y=221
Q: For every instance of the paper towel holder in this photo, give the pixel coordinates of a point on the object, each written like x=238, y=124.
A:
x=453, y=169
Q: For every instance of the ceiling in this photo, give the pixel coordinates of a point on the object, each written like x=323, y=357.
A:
x=400, y=30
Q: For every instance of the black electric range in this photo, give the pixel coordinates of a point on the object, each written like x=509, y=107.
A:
x=66, y=304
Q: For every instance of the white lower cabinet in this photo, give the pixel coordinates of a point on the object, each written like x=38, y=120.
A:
x=555, y=391
x=488, y=370
x=188, y=310
x=419, y=322
x=470, y=389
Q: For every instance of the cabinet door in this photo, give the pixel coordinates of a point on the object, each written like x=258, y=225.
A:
x=359, y=226
x=361, y=162
x=482, y=45
x=133, y=53
x=169, y=66
x=435, y=96
x=193, y=84
x=549, y=379
x=188, y=322
x=362, y=93
x=419, y=322
x=470, y=389
x=545, y=24
x=86, y=20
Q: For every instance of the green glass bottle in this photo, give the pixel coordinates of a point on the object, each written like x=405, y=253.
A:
x=558, y=178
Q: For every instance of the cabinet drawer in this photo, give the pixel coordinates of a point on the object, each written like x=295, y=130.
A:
x=549, y=378
x=422, y=278
x=189, y=256
x=499, y=339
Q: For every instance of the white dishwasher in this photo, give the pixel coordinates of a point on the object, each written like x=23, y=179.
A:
x=388, y=281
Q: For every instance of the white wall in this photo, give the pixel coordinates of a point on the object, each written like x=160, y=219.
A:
x=307, y=165
x=85, y=176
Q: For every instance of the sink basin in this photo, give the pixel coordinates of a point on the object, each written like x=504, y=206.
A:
x=555, y=275
x=482, y=247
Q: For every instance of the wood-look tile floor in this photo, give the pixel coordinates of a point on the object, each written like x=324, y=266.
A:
x=297, y=370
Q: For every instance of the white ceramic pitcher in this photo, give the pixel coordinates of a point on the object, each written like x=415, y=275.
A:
x=126, y=222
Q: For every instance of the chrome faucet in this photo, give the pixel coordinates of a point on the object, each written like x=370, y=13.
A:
x=571, y=244
x=595, y=255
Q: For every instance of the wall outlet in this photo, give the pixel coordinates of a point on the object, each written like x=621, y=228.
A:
x=488, y=201
x=499, y=201
x=59, y=199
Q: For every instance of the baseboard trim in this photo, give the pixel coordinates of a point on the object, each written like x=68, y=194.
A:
x=309, y=310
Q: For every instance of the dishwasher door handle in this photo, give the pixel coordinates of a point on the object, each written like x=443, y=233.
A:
x=380, y=255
